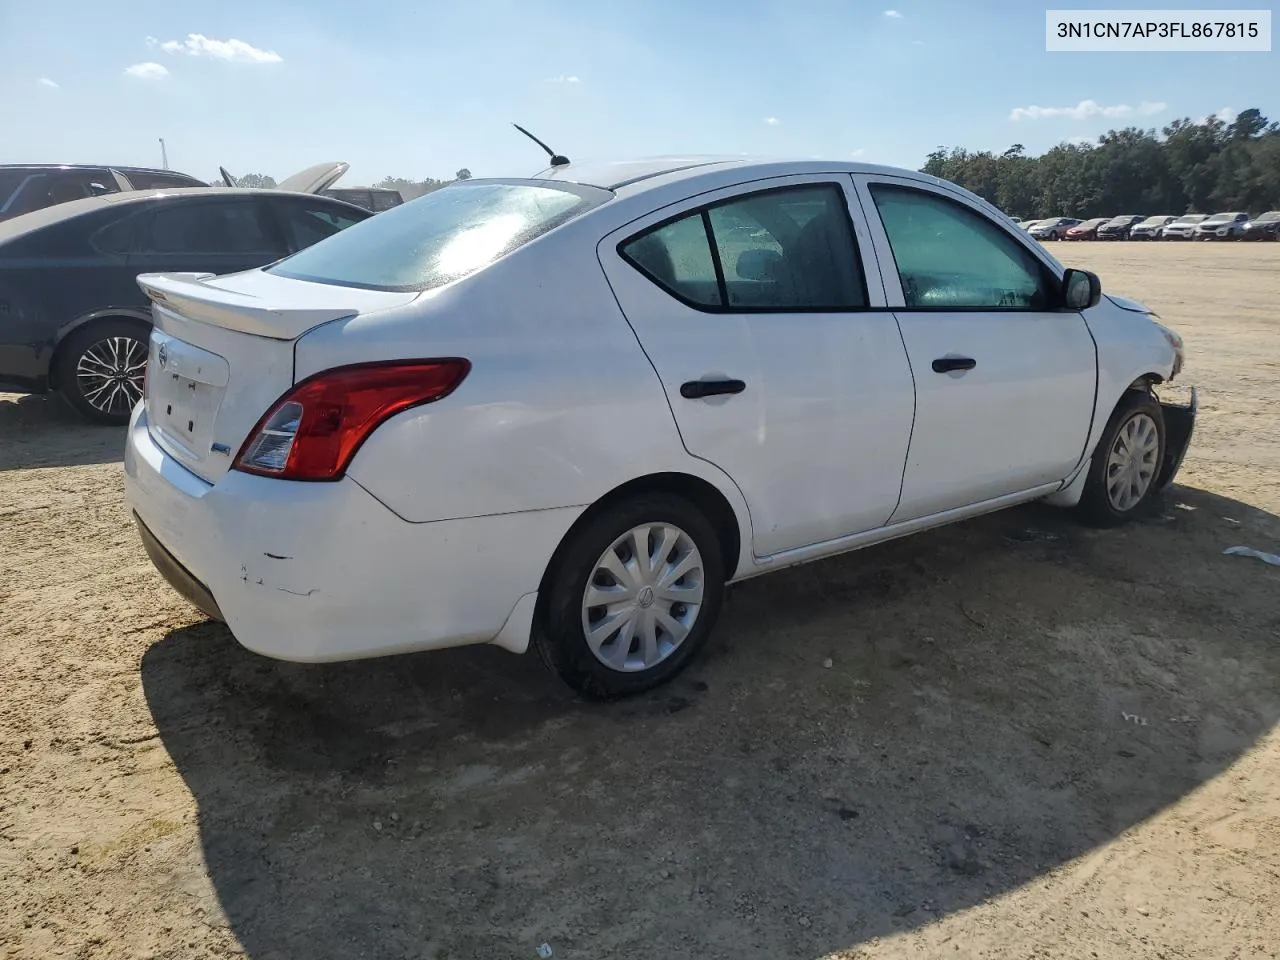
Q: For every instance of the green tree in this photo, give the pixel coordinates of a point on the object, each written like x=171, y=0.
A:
x=1202, y=166
x=257, y=181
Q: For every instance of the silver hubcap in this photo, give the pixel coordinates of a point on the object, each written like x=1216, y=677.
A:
x=109, y=374
x=643, y=597
x=1131, y=465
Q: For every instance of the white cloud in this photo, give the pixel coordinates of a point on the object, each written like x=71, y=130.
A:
x=232, y=51
x=1087, y=109
x=563, y=79
x=1081, y=141
x=893, y=14
x=46, y=82
x=772, y=121
x=1227, y=114
x=858, y=153
x=917, y=43
x=147, y=71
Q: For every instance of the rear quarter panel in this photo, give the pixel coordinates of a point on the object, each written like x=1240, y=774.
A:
x=561, y=405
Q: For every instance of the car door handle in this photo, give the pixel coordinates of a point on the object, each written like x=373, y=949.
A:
x=697, y=389
x=948, y=364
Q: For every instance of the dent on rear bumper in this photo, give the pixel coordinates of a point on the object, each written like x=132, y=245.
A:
x=323, y=571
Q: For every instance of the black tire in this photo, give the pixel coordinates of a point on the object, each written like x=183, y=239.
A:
x=84, y=350
x=559, y=633
x=1096, y=507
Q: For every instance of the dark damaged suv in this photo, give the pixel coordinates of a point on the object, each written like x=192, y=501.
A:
x=26, y=187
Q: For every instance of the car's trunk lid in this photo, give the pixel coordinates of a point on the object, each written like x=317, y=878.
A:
x=316, y=178
x=222, y=353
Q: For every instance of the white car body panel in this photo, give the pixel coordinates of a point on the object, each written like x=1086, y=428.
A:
x=557, y=385
x=445, y=522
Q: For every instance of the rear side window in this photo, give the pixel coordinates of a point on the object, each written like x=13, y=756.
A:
x=119, y=238
x=307, y=222
x=207, y=227
x=791, y=249
x=677, y=257
x=442, y=236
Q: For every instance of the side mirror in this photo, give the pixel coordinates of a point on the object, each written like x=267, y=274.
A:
x=1080, y=289
x=758, y=264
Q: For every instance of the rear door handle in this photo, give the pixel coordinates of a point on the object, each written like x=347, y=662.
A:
x=948, y=364
x=697, y=389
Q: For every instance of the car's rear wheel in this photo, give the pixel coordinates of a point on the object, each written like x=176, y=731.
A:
x=632, y=597
x=100, y=369
x=1126, y=463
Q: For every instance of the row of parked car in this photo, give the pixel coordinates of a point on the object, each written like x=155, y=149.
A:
x=73, y=240
x=1191, y=226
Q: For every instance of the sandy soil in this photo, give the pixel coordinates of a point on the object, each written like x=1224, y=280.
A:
x=1034, y=739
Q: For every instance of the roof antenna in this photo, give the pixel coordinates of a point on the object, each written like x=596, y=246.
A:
x=556, y=159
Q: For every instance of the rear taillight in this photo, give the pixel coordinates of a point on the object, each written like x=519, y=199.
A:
x=313, y=431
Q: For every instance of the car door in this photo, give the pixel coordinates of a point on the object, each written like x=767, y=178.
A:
x=215, y=234
x=753, y=306
x=1005, y=378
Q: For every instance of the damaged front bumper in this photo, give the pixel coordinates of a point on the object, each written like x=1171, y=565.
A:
x=1179, y=424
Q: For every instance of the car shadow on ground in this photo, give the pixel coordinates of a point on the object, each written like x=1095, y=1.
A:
x=41, y=430
x=868, y=743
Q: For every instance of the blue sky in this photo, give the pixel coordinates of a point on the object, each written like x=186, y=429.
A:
x=422, y=89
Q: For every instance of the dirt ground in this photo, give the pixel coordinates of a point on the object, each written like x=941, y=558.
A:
x=1033, y=739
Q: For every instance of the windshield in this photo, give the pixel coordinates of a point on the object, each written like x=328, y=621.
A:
x=1221, y=218
x=441, y=237
x=1095, y=222
x=1268, y=217
x=1155, y=221
x=1192, y=218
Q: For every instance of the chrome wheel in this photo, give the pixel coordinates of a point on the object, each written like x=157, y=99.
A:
x=109, y=374
x=643, y=597
x=1131, y=465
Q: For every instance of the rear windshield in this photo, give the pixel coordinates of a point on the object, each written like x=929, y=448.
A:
x=440, y=237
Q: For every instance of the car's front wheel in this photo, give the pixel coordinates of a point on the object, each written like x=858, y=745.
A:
x=1126, y=463
x=100, y=369
x=632, y=597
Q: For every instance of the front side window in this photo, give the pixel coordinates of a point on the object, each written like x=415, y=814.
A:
x=443, y=236
x=949, y=256
x=226, y=227
x=791, y=249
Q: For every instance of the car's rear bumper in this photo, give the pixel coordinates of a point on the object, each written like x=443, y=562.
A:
x=1179, y=425
x=324, y=571
x=179, y=577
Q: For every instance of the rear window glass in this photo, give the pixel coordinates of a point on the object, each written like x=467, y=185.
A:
x=441, y=237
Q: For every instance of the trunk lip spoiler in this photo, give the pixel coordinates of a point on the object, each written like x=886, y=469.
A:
x=187, y=295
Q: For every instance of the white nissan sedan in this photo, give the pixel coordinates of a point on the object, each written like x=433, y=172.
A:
x=567, y=410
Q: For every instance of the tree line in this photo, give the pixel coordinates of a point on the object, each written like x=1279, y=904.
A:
x=409, y=189
x=1188, y=167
